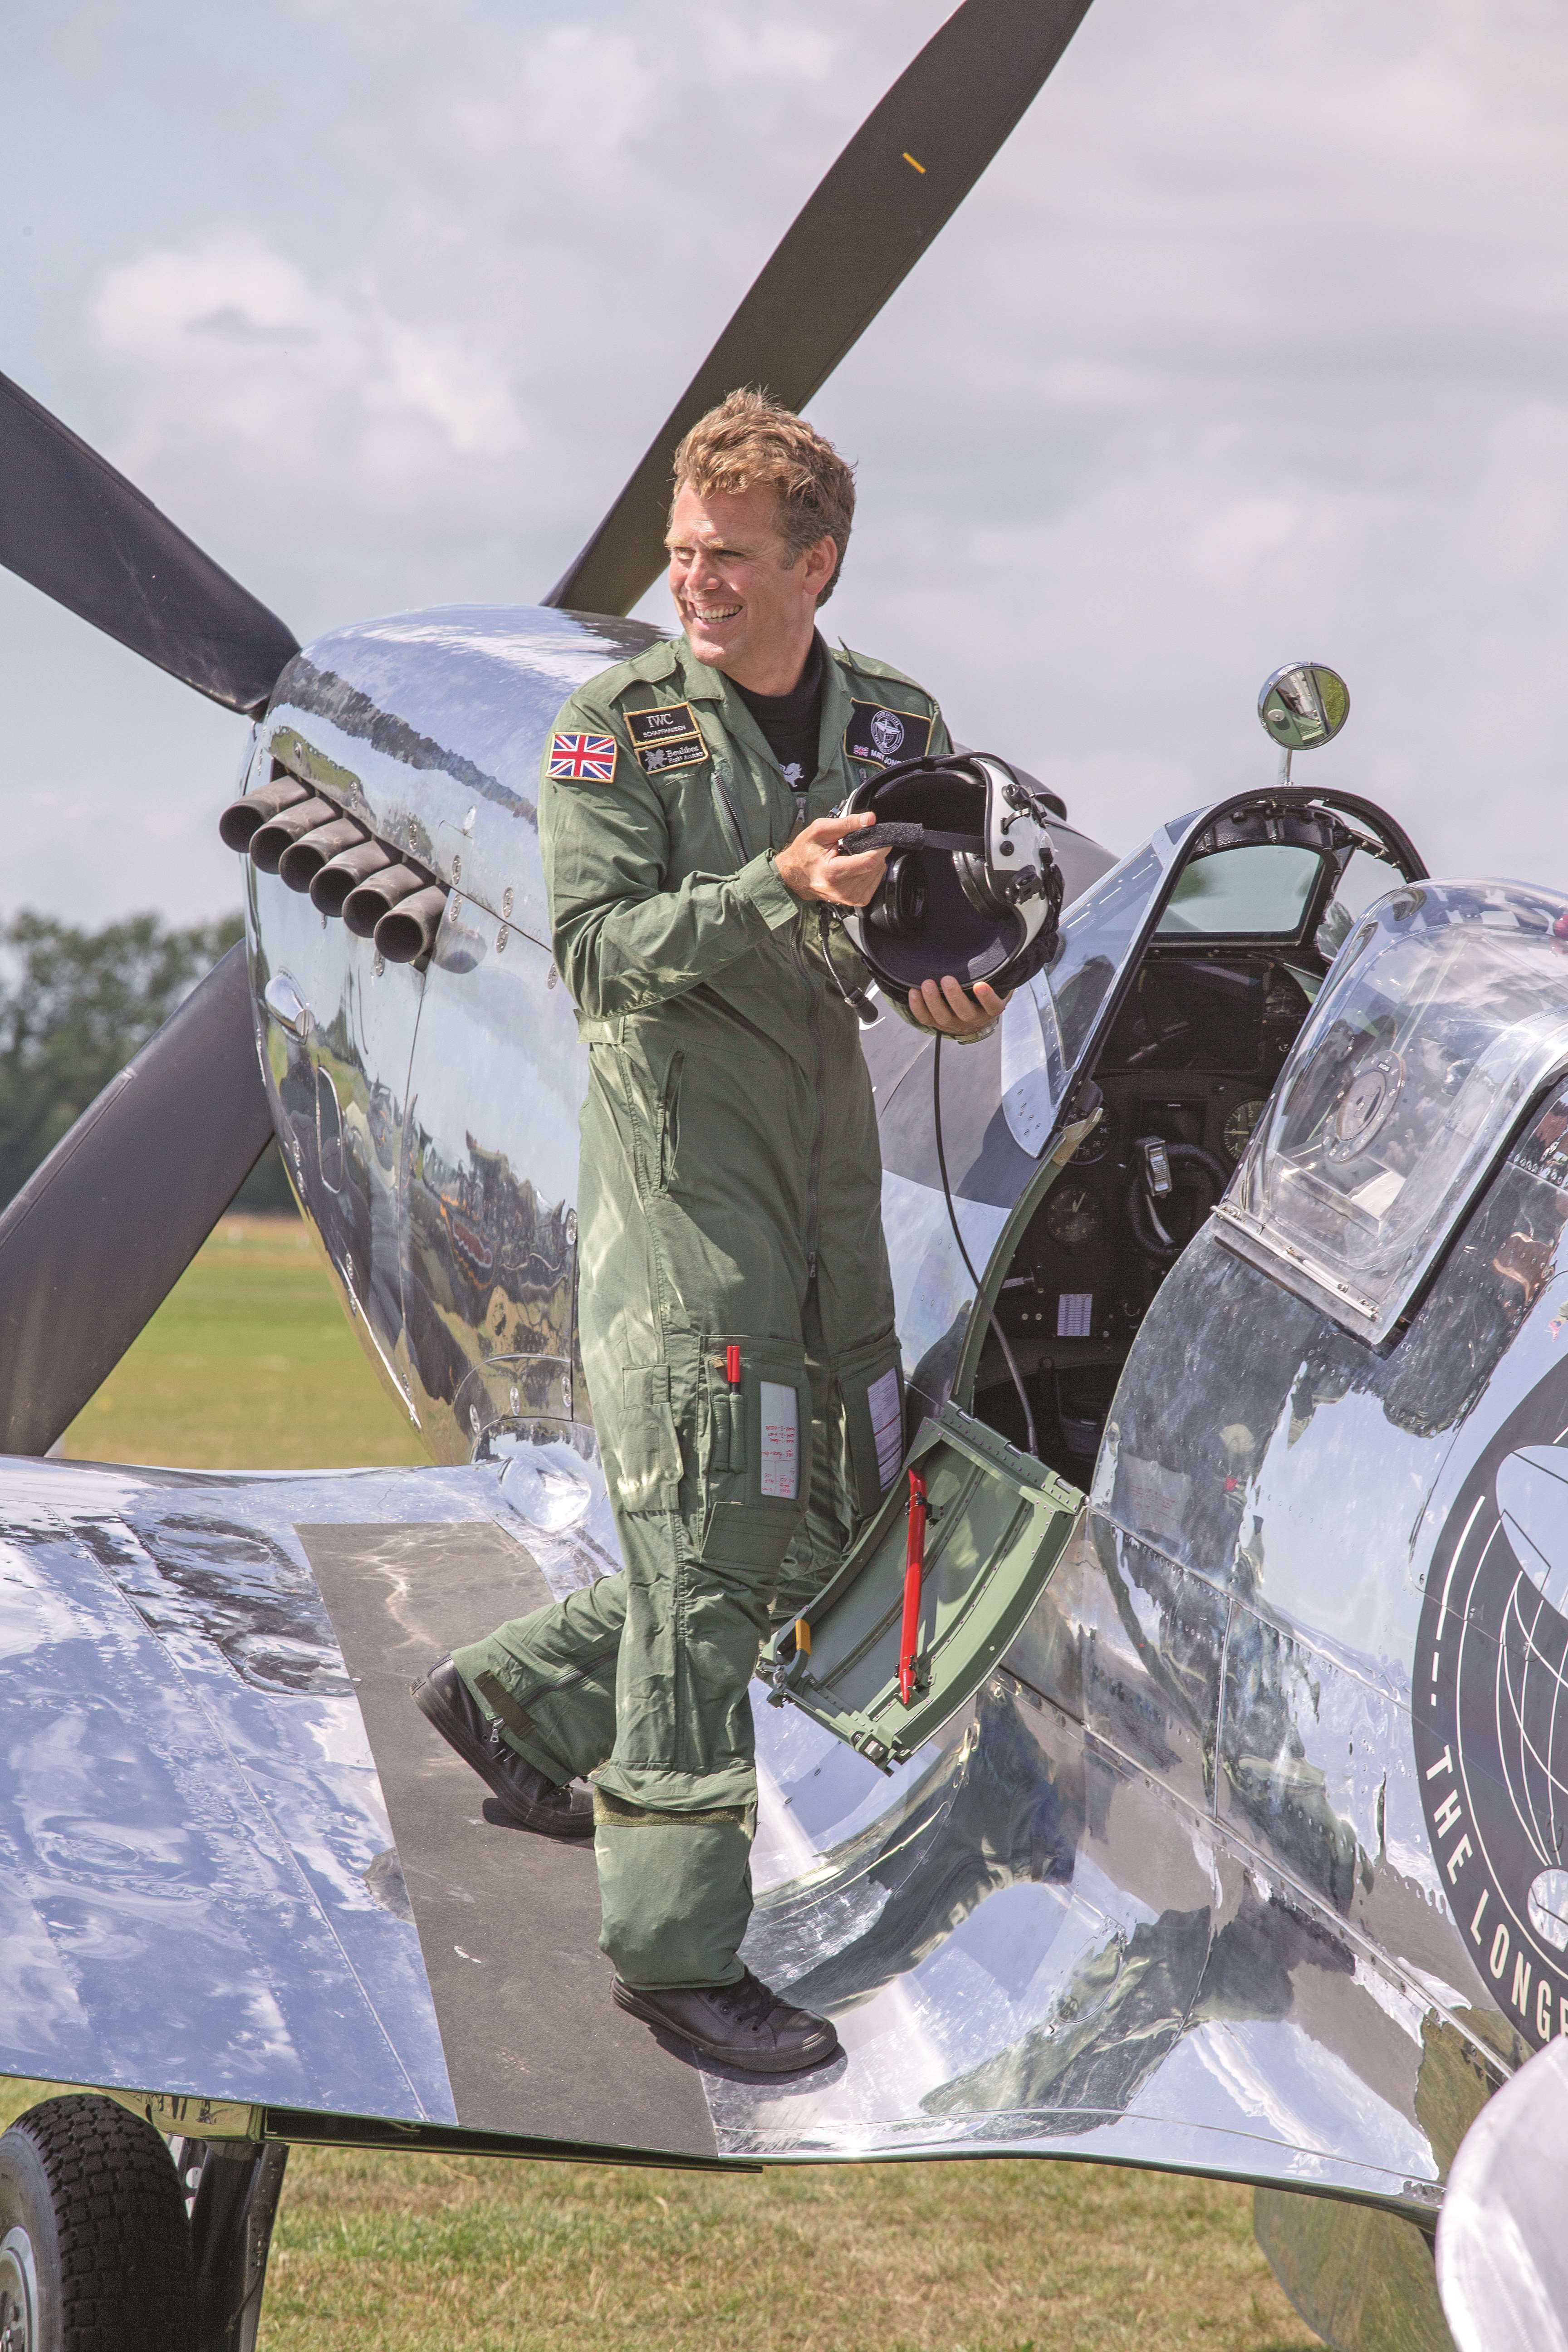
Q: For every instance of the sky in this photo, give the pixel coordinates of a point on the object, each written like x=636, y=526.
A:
x=1249, y=347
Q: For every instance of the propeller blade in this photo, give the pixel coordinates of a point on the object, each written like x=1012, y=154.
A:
x=100, y=1234
x=87, y=537
x=901, y=177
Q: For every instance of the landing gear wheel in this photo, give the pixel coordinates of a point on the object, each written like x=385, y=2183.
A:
x=95, y=2249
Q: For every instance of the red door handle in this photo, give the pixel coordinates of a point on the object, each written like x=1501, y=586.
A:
x=914, y=1568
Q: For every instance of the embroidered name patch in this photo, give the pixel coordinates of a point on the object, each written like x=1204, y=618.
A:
x=582, y=758
x=666, y=737
x=884, y=737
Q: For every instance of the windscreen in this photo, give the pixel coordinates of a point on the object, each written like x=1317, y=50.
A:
x=1097, y=933
x=1259, y=889
x=1447, y=1012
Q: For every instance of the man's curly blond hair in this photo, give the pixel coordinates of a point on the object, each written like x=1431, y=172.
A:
x=750, y=439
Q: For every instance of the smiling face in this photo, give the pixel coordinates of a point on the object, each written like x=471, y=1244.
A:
x=748, y=607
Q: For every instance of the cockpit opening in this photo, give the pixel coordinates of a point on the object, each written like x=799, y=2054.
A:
x=1189, y=1044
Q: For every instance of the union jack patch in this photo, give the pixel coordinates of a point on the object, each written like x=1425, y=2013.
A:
x=579, y=759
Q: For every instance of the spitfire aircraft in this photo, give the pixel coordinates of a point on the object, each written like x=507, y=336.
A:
x=1236, y=1847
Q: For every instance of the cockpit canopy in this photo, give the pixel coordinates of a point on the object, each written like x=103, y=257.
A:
x=1440, y=1024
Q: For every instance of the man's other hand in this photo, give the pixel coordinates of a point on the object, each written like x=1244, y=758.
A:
x=947, y=1005
x=810, y=866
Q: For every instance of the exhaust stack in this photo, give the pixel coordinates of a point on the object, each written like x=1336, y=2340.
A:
x=364, y=906
x=244, y=818
x=409, y=930
x=345, y=872
x=269, y=841
x=303, y=859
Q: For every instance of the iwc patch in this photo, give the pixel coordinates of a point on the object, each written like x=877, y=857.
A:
x=882, y=737
x=1490, y=1704
x=666, y=736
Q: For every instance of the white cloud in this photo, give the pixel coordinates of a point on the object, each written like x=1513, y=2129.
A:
x=1252, y=343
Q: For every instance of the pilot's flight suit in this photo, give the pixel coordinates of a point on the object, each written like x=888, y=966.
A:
x=730, y=1195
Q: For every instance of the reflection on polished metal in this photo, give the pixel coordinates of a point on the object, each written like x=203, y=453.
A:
x=1362, y=2280
x=453, y=1229
x=1126, y=1861
x=1239, y=1860
x=1503, y=2256
x=190, y=1816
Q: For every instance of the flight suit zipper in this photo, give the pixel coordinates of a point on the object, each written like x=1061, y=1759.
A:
x=801, y=818
x=819, y=1131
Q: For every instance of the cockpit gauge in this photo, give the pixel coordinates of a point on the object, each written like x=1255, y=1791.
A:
x=1095, y=1144
x=1239, y=1126
x=1285, y=999
x=1072, y=1216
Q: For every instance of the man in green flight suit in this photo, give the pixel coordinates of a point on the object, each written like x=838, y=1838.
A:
x=736, y=1309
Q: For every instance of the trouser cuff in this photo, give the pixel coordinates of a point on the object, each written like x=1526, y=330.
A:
x=675, y=1893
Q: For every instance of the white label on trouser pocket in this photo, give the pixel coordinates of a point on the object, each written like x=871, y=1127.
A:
x=886, y=1427
x=781, y=1441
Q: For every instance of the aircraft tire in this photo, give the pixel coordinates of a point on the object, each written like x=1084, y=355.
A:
x=95, y=2248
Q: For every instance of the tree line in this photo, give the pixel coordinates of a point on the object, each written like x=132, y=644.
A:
x=74, y=1005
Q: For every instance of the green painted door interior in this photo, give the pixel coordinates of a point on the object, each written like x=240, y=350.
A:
x=998, y=1523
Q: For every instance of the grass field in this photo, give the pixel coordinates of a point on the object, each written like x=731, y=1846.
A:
x=250, y=1364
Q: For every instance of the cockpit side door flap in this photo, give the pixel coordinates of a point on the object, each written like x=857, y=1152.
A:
x=995, y=1524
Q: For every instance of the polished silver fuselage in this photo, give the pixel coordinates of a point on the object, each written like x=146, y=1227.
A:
x=1165, y=1892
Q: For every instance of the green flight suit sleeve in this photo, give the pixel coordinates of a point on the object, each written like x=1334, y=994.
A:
x=622, y=939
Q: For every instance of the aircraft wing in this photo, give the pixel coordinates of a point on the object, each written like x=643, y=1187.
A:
x=239, y=1867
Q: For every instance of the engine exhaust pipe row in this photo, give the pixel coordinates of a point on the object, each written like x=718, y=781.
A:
x=307, y=842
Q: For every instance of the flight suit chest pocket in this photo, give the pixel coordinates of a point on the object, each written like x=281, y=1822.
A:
x=648, y=1449
x=757, y=1456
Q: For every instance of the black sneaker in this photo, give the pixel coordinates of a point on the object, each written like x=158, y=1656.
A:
x=744, y=2025
x=526, y=1799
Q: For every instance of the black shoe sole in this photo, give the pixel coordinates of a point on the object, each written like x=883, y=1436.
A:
x=721, y=2053
x=541, y=1818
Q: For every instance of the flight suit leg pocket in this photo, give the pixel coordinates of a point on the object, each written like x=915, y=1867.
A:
x=871, y=1385
x=646, y=1444
x=757, y=1457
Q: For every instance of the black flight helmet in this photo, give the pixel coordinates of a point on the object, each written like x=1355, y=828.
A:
x=971, y=886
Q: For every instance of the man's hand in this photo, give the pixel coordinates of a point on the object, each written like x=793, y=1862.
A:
x=948, y=1006
x=811, y=868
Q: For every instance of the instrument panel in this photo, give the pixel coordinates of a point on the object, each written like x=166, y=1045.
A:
x=1191, y=1060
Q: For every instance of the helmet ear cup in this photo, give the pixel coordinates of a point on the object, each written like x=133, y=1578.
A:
x=975, y=881
x=898, y=910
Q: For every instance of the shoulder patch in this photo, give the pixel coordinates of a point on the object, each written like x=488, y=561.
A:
x=581, y=759
x=883, y=737
x=665, y=736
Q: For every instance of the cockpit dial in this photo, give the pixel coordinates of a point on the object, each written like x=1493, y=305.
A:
x=1095, y=1144
x=1072, y=1216
x=1239, y=1126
